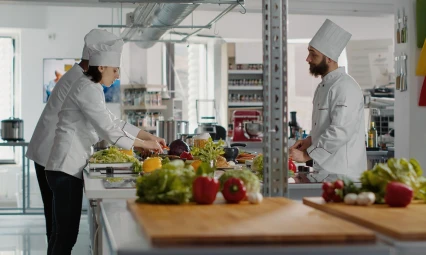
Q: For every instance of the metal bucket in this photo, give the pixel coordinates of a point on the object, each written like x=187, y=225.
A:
x=170, y=129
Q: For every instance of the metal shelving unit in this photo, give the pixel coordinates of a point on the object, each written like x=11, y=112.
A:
x=275, y=108
x=143, y=108
x=148, y=87
x=251, y=92
x=247, y=104
x=245, y=72
x=244, y=87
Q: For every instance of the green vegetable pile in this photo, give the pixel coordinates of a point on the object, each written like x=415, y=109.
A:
x=251, y=181
x=210, y=152
x=114, y=179
x=172, y=184
x=257, y=167
x=113, y=155
x=398, y=170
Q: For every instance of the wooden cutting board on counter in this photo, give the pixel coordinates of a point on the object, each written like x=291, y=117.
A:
x=275, y=220
x=406, y=224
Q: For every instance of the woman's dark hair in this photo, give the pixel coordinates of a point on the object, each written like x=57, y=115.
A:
x=94, y=74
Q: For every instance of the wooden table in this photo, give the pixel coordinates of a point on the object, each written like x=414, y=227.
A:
x=274, y=221
x=402, y=227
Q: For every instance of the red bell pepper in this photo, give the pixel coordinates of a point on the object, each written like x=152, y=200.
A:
x=291, y=166
x=204, y=190
x=234, y=190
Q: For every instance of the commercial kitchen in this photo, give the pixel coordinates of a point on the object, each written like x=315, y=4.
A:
x=236, y=71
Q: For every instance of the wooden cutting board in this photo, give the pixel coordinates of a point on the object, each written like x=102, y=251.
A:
x=407, y=224
x=275, y=220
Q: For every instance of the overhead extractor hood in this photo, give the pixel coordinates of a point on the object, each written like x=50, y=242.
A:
x=147, y=24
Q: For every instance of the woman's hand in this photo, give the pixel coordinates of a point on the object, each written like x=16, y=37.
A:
x=148, y=145
x=143, y=135
x=159, y=140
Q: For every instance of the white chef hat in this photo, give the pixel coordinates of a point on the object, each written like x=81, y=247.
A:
x=106, y=53
x=330, y=40
x=96, y=36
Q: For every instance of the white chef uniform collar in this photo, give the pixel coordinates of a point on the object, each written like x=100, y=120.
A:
x=96, y=36
x=330, y=40
x=106, y=53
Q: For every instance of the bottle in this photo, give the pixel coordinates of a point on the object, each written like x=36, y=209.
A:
x=404, y=30
x=372, y=136
x=147, y=99
x=398, y=32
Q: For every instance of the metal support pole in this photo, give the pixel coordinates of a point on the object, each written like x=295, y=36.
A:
x=170, y=67
x=275, y=121
x=23, y=181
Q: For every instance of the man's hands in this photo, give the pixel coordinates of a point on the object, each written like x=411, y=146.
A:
x=302, y=144
x=299, y=156
x=298, y=150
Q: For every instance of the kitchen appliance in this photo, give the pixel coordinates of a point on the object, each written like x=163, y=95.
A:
x=12, y=130
x=171, y=129
x=293, y=125
x=207, y=119
x=248, y=126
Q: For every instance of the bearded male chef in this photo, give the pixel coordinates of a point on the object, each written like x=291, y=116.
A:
x=44, y=134
x=337, y=140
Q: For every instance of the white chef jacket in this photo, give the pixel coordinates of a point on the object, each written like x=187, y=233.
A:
x=82, y=119
x=42, y=140
x=44, y=133
x=338, y=139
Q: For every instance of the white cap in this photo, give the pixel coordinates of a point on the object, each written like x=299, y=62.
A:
x=330, y=40
x=96, y=36
x=106, y=53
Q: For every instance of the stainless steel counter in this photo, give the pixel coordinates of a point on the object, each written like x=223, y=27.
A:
x=122, y=236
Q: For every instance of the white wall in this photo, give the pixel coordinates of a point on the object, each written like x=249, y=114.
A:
x=410, y=119
x=70, y=24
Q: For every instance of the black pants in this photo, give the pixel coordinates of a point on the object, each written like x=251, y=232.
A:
x=46, y=196
x=67, y=201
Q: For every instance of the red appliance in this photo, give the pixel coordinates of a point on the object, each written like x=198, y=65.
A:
x=248, y=126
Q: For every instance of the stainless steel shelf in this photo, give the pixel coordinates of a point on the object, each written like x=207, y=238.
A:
x=152, y=87
x=230, y=104
x=245, y=71
x=135, y=108
x=244, y=87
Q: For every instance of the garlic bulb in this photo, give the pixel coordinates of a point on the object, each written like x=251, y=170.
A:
x=350, y=199
x=366, y=198
x=254, y=198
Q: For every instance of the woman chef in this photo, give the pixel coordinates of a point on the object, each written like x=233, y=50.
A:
x=337, y=143
x=42, y=139
x=82, y=119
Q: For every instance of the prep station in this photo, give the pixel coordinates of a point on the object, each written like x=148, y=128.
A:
x=185, y=75
x=278, y=225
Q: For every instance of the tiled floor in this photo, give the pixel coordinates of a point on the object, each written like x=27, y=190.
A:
x=26, y=235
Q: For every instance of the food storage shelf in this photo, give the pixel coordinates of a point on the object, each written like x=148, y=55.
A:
x=245, y=71
x=153, y=107
x=243, y=87
x=245, y=103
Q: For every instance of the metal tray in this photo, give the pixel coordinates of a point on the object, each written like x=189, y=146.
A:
x=124, y=183
x=113, y=165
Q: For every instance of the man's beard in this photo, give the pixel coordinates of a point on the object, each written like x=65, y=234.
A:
x=320, y=69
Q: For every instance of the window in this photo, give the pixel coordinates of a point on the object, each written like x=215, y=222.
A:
x=190, y=83
x=7, y=52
